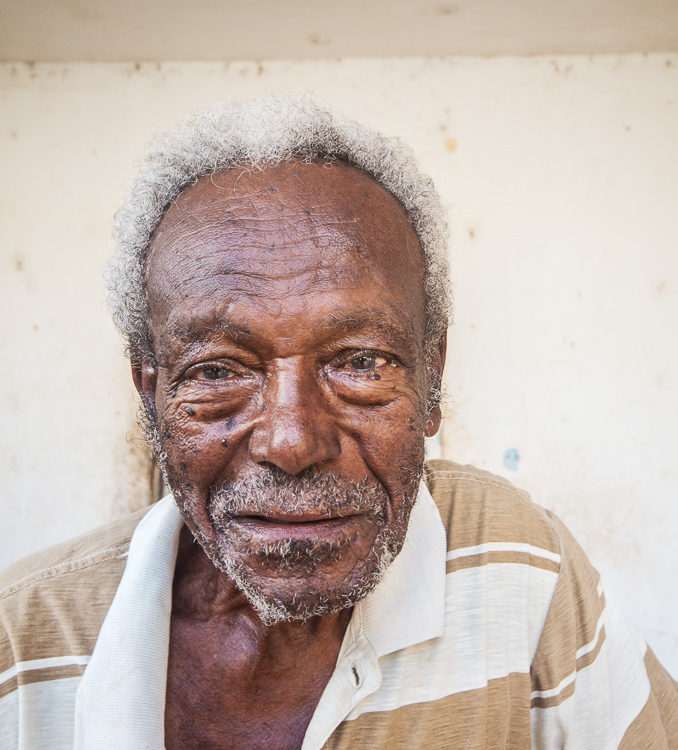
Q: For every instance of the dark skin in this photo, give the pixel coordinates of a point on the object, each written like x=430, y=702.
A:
x=287, y=317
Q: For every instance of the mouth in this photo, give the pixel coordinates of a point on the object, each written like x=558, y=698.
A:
x=302, y=526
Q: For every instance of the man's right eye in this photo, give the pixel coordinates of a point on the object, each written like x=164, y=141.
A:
x=215, y=373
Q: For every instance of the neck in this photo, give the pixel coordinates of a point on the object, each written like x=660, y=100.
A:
x=231, y=680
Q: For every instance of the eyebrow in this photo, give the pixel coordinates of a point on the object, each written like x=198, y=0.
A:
x=398, y=332
x=188, y=330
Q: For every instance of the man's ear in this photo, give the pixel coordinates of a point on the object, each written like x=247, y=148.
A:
x=145, y=377
x=435, y=366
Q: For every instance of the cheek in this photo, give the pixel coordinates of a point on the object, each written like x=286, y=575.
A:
x=391, y=443
x=389, y=428
x=195, y=450
x=199, y=429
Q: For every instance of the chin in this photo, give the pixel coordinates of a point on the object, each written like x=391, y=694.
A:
x=286, y=584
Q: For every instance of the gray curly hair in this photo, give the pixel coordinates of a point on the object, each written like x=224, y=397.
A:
x=255, y=134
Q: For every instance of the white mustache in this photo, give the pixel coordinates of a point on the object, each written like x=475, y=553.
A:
x=271, y=491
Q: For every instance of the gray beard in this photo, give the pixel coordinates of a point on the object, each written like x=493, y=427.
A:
x=269, y=490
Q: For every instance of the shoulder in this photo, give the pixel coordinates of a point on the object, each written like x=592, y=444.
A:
x=53, y=603
x=479, y=508
x=520, y=578
x=94, y=548
x=448, y=481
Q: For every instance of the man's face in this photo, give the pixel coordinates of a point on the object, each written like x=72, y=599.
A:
x=290, y=391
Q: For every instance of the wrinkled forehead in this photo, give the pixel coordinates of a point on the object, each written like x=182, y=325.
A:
x=301, y=195
x=284, y=228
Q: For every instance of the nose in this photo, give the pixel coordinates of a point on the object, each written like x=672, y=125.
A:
x=295, y=430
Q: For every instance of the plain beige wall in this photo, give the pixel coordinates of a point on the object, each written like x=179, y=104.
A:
x=561, y=179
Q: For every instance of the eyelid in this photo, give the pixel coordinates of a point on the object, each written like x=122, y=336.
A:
x=346, y=357
x=194, y=370
x=371, y=353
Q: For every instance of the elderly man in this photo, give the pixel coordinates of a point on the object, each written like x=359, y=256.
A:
x=281, y=284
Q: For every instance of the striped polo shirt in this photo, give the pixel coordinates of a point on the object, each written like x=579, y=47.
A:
x=489, y=630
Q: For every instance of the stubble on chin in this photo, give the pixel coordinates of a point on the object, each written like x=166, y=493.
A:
x=274, y=564
x=295, y=578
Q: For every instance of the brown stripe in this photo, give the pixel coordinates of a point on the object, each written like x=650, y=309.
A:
x=495, y=716
x=106, y=542
x=53, y=602
x=65, y=568
x=47, y=674
x=8, y=686
x=583, y=661
x=572, y=619
x=656, y=726
x=58, y=617
x=497, y=556
x=553, y=700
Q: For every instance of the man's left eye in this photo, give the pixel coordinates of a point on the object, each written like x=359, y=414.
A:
x=216, y=373
x=366, y=362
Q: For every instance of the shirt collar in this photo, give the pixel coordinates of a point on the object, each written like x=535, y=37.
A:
x=121, y=698
x=408, y=606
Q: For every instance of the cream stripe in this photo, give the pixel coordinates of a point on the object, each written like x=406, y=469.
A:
x=503, y=547
x=557, y=689
x=617, y=678
x=53, y=661
x=587, y=647
x=9, y=725
x=39, y=716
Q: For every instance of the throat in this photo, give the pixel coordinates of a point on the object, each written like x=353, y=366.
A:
x=233, y=681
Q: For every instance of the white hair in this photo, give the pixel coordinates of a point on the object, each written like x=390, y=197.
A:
x=255, y=134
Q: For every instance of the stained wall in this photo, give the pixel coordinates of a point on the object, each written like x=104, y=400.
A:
x=560, y=179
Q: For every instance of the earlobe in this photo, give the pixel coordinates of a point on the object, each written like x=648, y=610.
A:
x=433, y=422
x=435, y=367
x=145, y=377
